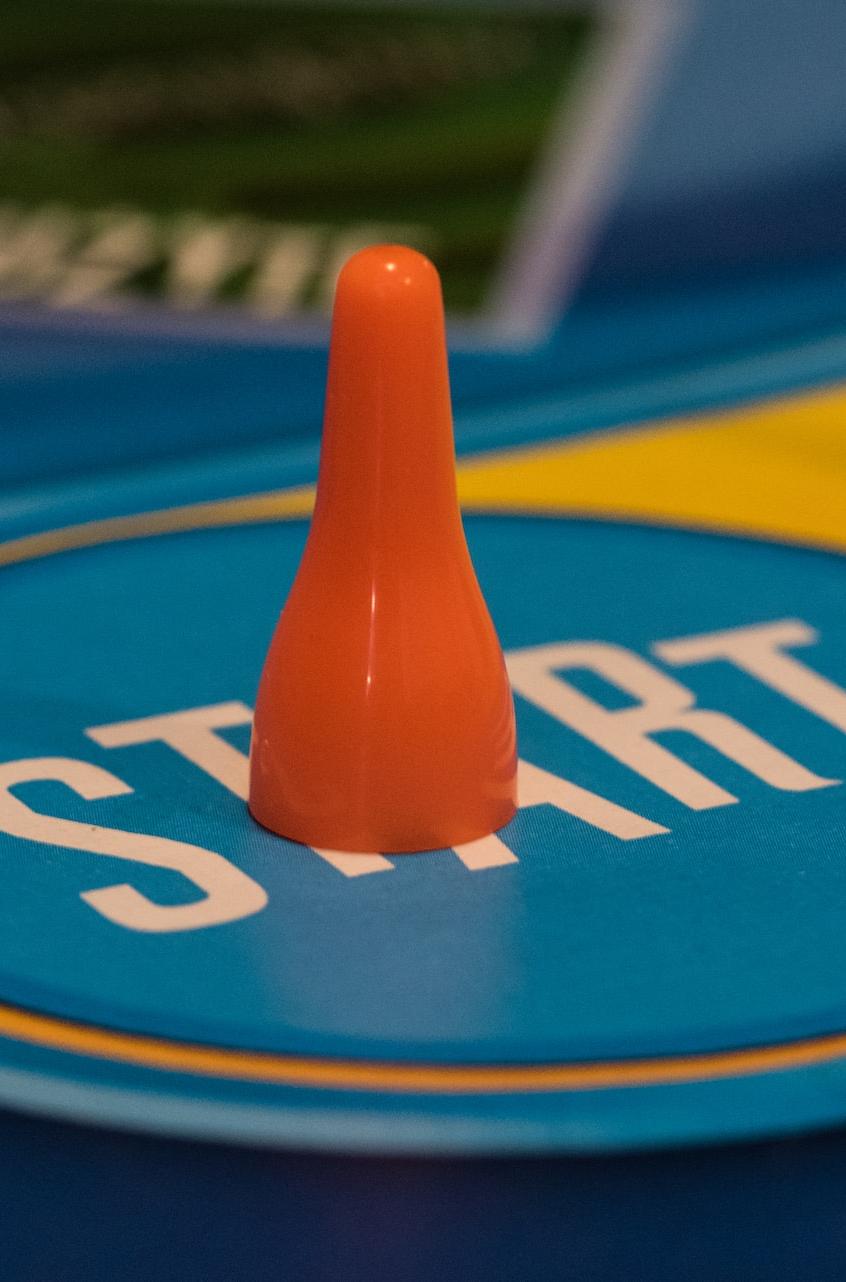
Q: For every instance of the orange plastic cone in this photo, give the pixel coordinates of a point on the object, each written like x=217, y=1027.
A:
x=384, y=719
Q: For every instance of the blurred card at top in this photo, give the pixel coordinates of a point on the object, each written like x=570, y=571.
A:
x=212, y=162
x=219, y=157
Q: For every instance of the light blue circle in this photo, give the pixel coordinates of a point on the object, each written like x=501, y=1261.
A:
x=725, y=932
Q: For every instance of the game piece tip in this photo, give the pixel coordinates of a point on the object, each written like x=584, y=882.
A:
x=389, y=269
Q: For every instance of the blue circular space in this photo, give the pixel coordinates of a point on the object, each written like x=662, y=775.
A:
x=728, y=930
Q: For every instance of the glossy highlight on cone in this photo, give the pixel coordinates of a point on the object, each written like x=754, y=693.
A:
x=384, y=719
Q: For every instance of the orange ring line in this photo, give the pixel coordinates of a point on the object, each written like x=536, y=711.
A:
x=165, y=1055
x=156, y=1053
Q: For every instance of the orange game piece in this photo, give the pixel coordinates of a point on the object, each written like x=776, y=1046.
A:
x=384, y=719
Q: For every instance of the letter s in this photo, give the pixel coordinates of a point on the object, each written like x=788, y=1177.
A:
x=229, y=894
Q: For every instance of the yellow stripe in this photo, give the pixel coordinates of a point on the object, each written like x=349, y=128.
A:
x=428, y=1079
x=775, y=470
x=279, y=505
